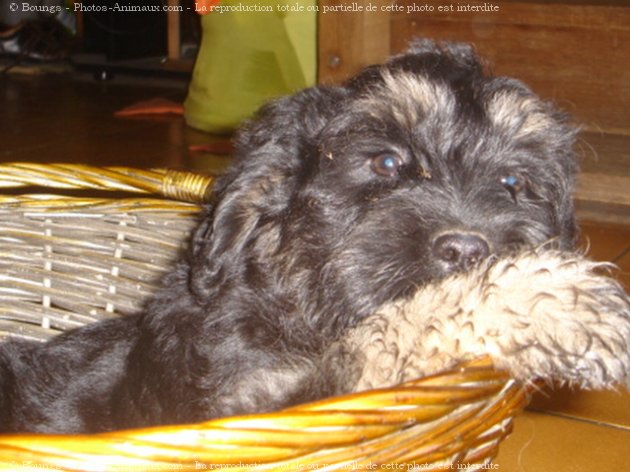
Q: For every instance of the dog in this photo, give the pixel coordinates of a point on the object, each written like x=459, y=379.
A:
x=340, y=199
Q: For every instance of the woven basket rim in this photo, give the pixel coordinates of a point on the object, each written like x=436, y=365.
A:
x=474, y=398
x=168, y=183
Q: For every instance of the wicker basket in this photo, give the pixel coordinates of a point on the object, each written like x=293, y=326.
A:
x=66, y=261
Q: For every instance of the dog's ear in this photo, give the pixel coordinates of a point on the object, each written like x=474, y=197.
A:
x=273, y=153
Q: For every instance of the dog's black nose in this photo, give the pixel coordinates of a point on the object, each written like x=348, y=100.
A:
x=457, y=251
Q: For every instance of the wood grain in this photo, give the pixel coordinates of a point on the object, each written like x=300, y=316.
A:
x=571, y=54
x=349, y=41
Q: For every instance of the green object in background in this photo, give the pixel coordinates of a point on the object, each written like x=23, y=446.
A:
x=248, y=57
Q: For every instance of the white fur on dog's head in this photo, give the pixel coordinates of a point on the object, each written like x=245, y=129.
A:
x=542, y=314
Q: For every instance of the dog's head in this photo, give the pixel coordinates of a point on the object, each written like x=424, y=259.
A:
x=345, y=197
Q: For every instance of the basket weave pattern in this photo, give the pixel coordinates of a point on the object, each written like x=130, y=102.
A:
x=68, y=261
x=65, y=262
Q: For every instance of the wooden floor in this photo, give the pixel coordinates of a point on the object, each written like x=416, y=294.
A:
x=56, y=118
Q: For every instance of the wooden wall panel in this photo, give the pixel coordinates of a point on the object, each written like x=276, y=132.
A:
x=349, y=41
x=576, y=55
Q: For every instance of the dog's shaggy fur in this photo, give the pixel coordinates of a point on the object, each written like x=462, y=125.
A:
x=341, y=199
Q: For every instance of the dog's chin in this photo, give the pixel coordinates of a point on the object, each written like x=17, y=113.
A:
x=440, y=271
x=444, y=270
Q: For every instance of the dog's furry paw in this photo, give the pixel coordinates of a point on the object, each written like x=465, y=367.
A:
x=541, y=314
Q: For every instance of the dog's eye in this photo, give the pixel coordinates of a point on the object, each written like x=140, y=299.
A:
x=386, y=164
x=515, y=184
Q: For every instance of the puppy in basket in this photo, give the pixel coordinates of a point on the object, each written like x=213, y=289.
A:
x=345, y=249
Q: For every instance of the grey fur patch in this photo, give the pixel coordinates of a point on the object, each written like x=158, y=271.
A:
x=519, y=115
x=409, y=98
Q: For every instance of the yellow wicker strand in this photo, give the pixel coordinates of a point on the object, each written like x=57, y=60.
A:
x=55, y=203
x=488, y=426
x=77, y=176
x=186, y=186
x=425, y=440
x=177, y=185
x=401, y=396
x=364, y=454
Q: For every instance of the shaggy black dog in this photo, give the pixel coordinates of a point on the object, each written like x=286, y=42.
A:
x=340, y=199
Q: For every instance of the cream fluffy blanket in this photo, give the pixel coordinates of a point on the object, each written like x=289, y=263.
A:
x=542, y=314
